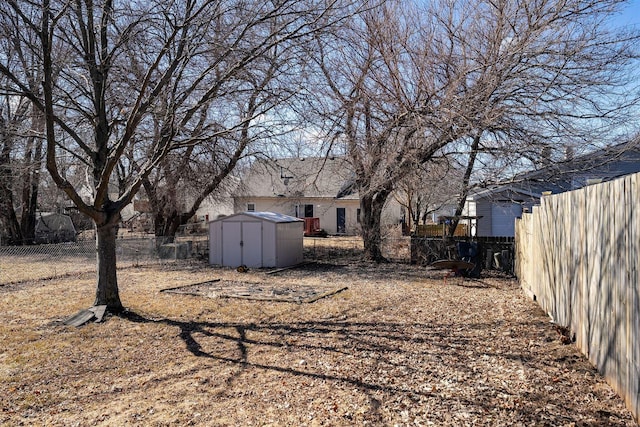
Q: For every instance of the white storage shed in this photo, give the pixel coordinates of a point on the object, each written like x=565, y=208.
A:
x=256, y=239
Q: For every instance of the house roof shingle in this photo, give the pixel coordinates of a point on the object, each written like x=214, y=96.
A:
x=604, y=164
x=298, y=177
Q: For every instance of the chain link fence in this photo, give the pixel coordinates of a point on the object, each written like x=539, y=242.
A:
x=30, y=262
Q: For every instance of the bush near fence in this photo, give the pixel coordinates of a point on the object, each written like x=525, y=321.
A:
x=577, y=256
x=426, y=250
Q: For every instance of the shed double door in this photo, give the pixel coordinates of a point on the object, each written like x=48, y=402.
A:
x=242, y=244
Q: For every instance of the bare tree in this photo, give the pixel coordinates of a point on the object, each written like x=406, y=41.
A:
x=21, y=145
x=100, y=103
x=550, y=78
x=427, y=189
x=9, y=172
x=385, y=106
x=241, y=117
x=493, y=81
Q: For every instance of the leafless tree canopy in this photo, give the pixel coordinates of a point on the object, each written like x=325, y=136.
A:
x=428, y=189
x=124, y=83
x=21, y=143
x=502, y=79
x=162, y=93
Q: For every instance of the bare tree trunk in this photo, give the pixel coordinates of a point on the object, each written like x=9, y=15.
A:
x=370, y=219
x=31, y=178
x=410, y=214
x=166, y=225
x=462, y=199
x=7, y=212
x=29, y=203
x=159, y=224
x=8, y=216
x=174, y=222
x=107, y=288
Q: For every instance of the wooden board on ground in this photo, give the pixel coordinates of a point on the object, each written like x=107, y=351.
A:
x=286, y=295
x=290, y=267
x=98, y=311
x=451, y=264
x=80, y=318
x=95, y=313
x=176, y=288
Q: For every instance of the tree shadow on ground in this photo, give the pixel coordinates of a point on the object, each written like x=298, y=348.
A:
x=469, y=365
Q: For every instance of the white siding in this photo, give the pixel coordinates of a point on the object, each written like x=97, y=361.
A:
x=269, y=242
x=231, y=253
x=215, y=243
x=289, y=250
x=252, y=245
x=324, y=209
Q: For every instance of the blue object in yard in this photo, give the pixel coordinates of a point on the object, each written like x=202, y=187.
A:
x=470, y=251
x=467, y=250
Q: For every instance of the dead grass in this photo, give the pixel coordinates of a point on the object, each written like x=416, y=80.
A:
x=19, y=268
x=398, y=347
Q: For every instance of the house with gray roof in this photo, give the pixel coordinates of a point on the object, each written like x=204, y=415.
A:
x=497, y=206
x=314, y=187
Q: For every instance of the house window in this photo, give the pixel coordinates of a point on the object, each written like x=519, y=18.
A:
x=308, y=211
x=358, y=215
x=251, y=207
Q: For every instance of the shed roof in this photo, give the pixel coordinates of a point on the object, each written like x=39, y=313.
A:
x=267, y=216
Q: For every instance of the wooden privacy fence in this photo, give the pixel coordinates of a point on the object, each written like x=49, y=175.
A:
x=577, y=255
x=440, y=230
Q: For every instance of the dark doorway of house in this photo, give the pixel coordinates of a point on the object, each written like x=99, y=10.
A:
x=341, y=223
x=308, y=211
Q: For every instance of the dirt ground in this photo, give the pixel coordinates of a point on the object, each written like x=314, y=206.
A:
x=398, y=346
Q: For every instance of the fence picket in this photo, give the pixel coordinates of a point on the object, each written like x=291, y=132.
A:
x=578, y=255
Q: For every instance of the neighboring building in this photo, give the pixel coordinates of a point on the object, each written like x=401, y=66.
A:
x=54, y=227
x=219, y=204
x=308, y=187
x=497, y=208
x=499, y=205
x=214, y=206
x=142, y=220
x=574, y=173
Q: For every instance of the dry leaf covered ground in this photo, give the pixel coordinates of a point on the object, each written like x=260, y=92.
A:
x=399, y=346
